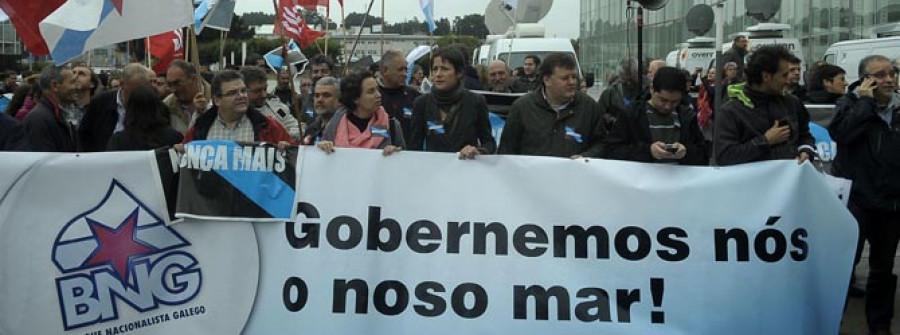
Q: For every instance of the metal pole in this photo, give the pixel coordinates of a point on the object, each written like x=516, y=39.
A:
x=382, y=27
x=358, y=35
x=640, y=46
x=720, y=35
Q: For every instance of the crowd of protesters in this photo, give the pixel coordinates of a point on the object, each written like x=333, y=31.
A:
x=645, y=117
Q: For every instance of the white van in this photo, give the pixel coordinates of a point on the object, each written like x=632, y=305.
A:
x=773, y=34
x=848, y=54
x=699, y=53
x=529, y=41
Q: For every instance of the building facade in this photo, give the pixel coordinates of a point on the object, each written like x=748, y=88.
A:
x=608, y=32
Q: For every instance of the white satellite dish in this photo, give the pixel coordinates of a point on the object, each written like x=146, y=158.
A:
x=499, y=17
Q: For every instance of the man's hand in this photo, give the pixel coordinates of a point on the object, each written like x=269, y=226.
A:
x=802, y=157
x=200, y=102
x=283, y=145
x=682, y=151
x=179, y=148
x=867, y=88
x=390, y=150
x=778, y=134
x=658, y=151
x=326, y=146
x=468, y=152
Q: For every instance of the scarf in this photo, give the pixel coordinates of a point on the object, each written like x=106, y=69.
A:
x=448, y=101
x=348, y=136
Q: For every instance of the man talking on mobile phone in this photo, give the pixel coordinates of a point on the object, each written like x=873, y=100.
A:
x=760, y=122
x=660, y=130
x=866, y=127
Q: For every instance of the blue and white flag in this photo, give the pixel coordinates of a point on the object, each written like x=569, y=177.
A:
x=227, y=181
x=428, y=9
x=82, y=25
x=295, y=57
x=200, y=13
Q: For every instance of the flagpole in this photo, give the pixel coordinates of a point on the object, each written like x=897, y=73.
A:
x=147, y=45
x=327, y=26
x=222, y=35
x=344, y=28
x=382, y=27
x=284, y=59
x=358, y=35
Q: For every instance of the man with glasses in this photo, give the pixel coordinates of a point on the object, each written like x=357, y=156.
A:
x=256, y=81
x=866, y=128
x=190, y=95
x=231, y=117
x=661, y=130
x=760, y=122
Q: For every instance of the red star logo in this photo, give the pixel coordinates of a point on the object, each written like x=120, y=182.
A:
x=117, y=246
x=118, y=5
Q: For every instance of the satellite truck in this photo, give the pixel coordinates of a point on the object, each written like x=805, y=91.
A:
x=885, y=41
x=516, y=34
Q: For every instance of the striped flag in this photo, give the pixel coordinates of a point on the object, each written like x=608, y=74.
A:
x=428, y=9
x=291, y=24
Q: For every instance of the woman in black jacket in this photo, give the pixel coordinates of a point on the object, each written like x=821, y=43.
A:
x=451, y=118
x=145, y=126
x=827, y=84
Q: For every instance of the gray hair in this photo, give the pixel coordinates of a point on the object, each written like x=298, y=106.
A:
x=730, y=65
x=49, y=75
x=627, y=66
x=864, y=63
x=390, y=57
x=330, y=81
x=133, y=70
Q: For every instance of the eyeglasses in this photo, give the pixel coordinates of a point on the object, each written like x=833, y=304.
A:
x=232, y=93
x=883, y=74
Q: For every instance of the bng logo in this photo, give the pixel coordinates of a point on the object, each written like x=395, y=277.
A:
x=120, y=251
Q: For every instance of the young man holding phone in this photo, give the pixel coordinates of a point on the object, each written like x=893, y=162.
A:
x=660, y=130
x=866, y=128
x=760, y=122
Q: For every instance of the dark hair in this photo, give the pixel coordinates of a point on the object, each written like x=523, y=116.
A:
x=535, y=58
x=765, y=59
x=322, y=59
x=553, y=61
x=253, y=74
x=95, y=81
x=453, y=56
x=669, y=79
x=224, y=77
x=144, y=117
x=18, y=99
x=351, y=88
x=824, y=72
x=49, y=75
x=188, y=68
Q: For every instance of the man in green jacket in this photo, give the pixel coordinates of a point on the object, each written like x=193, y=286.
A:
x=556, y=119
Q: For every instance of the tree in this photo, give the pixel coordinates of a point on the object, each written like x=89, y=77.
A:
x=258, y=18
x=356, y=19
x=469, y=42
x=443, y=27
x=472, y=25
x=239, y=31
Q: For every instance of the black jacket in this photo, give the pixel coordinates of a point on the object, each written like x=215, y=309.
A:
x=471, y=80
x=525, y=85
x=631, y=139
x=46, y=130
x=868, y=152
x=734, y=56
x=99, y=122
x=468, y=125
x=822, y=97
x=534, y=128
x=12, y=135
x=122, y=142
x=398, y=103
x=743, y=121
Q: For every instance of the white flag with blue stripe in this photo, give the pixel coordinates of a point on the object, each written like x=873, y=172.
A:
x=428, y=9
x=81, y=25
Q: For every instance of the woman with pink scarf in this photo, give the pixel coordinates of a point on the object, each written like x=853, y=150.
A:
x=363, y=123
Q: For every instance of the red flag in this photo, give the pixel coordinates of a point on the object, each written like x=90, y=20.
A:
x=293, y=25
x=25, y=16
x=166, y=47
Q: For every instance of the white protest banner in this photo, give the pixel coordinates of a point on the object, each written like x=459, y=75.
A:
x=428, y=244
x=84, y=249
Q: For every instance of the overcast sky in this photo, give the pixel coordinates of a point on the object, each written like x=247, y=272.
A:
x=562, y=21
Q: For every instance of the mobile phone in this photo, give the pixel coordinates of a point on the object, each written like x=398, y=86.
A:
x=672, y=148
x=783, y=121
